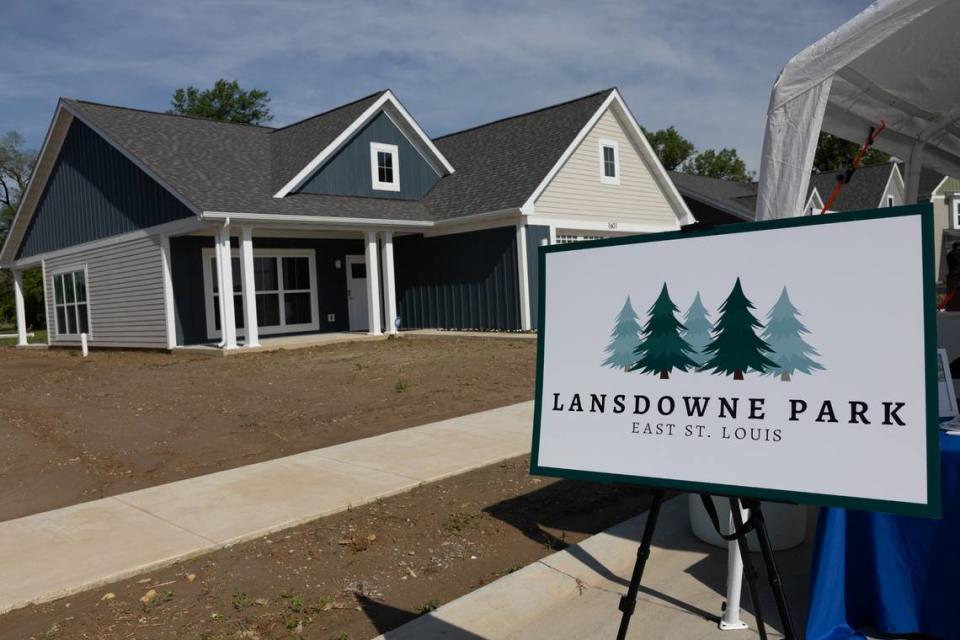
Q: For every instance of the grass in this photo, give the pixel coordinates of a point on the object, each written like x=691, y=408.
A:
x=38, y=337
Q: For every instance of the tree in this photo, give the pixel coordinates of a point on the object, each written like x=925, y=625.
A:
x=661, y=347
x=835, y=154
x=225, y=101
x=784, y=333
x=671, y=147
x=736, y=347
x=698, y=328
x=16, y=166
x=623, y=339
x=724, y=164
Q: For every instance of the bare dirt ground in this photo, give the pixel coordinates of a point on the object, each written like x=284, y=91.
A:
x=75, y=429
x=350, y=576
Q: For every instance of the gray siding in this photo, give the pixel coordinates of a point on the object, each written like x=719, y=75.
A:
x=347, y=173
x=536, y=234
x=124, y=294
x=94, y=192
x=459, y=281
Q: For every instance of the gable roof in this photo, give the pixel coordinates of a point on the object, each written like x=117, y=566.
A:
x=864, y=190
x=736, y=198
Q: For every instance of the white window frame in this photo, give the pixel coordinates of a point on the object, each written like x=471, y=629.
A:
x=208, y=274
x=76, y=317
x=890, y=200
x=604, y=178
x=955, y=210
x=394, y=151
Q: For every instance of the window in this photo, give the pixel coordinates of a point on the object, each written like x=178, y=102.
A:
x=955, y=209
x=889, y=200
x=285, y=287
x=609, y=162
x=385, y=166
x=70, y=303
x=566, y=238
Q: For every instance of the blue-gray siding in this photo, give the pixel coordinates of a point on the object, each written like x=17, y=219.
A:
x=536, y=236
x=348, y=173
x=460, y=281
x=94, y=192
x=187, y=274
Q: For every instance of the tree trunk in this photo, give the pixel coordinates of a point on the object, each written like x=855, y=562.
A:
x=737, y=374
x=664, y=374
x=785, y=376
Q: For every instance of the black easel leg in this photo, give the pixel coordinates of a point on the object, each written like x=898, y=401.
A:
x=629, y=602
x=773, y=574
x=749, y=571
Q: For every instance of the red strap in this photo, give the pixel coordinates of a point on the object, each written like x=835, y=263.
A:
x=843, y=179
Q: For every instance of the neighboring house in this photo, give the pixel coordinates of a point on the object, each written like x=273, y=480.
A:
x=344, y=221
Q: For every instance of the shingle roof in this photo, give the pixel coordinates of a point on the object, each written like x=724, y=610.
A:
x=864, y=190
x=229, y=167
x=738, y=198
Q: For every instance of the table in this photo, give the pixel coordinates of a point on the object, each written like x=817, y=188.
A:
x=892, y=574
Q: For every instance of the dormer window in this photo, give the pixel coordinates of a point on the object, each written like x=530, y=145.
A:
x=384, y=166
x=609, y=162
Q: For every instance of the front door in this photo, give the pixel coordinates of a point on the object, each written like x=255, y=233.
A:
x=357, y=293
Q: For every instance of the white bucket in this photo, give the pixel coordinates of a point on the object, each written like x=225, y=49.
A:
x=786, y=523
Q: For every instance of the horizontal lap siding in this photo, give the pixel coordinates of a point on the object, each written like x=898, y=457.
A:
x=124, y=294
x=460, y=281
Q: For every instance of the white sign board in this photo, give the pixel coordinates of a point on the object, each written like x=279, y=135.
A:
x=789, y=360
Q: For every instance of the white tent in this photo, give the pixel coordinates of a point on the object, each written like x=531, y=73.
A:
x=897, y=61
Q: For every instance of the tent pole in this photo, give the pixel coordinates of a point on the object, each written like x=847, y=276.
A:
x=914, y=166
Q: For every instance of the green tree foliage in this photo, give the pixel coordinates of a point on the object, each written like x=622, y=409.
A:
x=225, y=101
x=661, y=347
x=835, y=154
x=736, y=347
x=671, y=147
x=623, y=339
x=697, y=330
x=784, y=333
x=724, y=164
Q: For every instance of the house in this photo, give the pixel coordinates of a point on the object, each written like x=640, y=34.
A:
x=350, y=220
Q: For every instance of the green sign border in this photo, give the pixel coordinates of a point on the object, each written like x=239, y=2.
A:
x=932, y=507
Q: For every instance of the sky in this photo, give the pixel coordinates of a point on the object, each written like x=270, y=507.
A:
x=704, y=67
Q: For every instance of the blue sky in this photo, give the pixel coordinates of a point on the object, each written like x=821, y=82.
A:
x=705, y=67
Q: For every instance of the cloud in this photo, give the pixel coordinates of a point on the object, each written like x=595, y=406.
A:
x=705, y=67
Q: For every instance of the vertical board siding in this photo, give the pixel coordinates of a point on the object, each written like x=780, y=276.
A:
x=577, y=193
x=124, y=294
x=95, y=192
x=188, y=291
x=348, y=172
x=460, y=281
x=536, y=234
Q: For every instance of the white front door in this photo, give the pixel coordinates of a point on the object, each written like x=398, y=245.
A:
x=357, y=293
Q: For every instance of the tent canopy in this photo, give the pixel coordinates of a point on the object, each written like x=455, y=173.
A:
x=896, y=61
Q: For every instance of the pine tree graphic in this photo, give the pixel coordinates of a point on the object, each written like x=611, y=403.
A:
x=661, y=347
x=623, y=339
x=784, y=333
x=698, y=328
x=736, y=348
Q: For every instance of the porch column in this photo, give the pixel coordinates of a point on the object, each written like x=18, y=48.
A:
x=522, y=277
x=20, y=308
x=248, y=287
x=373, y=285
x=390, y=288
x=228, y=325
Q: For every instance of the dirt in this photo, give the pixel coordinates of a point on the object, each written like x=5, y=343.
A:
x=350, y=576
x=74, y=429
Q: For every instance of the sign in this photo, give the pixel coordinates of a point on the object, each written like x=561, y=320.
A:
x=788, y=360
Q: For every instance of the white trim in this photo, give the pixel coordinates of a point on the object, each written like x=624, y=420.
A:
x=810, y=208
x=954, y=201
x=71, y=269
x=373, y=284
x=553, y=233
x=393, y=151
x=248, y=288
x=46, y=300
x=389, y=277
x=938, y=187
x=886, y=187
x=228, y=323
x=604, y=178
x=523, y=276
x=168, y=300
x=20, y=308
x=348, y=133
x=658, y=173
x=326, y=220
x=599, y=225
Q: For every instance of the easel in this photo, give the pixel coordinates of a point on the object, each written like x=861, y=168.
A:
x=755, y=522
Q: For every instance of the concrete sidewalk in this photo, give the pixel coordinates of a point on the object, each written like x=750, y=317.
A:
x=57, y=553
x=574, y=594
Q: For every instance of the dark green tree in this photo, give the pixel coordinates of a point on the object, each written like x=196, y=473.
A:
x=736, y=347
x=724, y=164
x=835, y=154
x=671, y=147
x=623, y=339
x=661, y=347
x=225, y=101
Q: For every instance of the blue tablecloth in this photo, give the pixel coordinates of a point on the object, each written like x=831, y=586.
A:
x=892, y=574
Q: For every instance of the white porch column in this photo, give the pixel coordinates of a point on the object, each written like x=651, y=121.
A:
x=523, y=278
x=228, y=325
x=373, y=284
x=390, y=293
x=248, y=287
x=21, y=308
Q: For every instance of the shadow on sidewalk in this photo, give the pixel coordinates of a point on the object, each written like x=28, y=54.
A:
x=387, y=619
